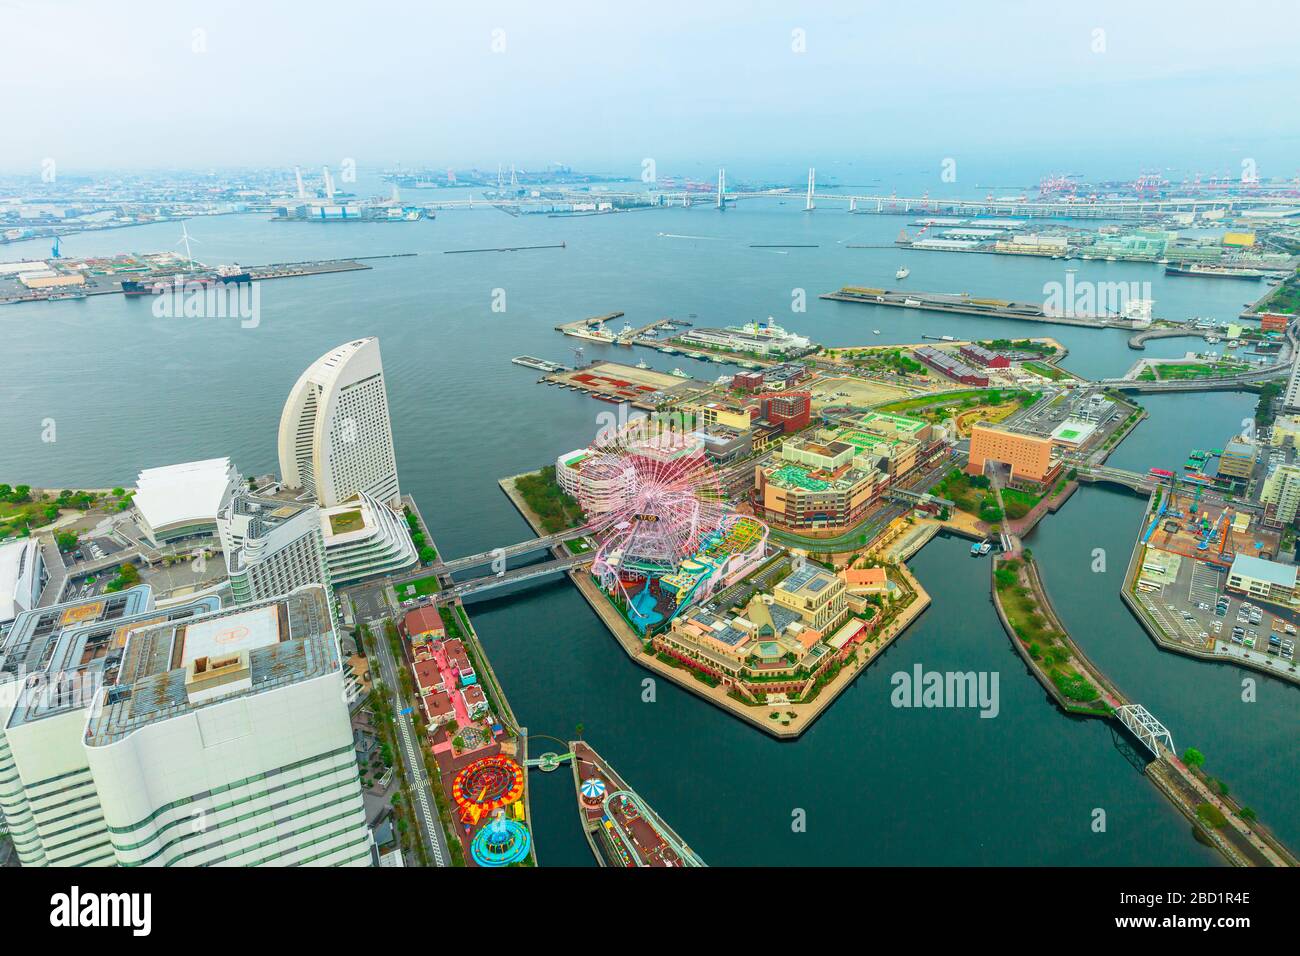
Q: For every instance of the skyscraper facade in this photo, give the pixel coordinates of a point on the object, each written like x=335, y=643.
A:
x=336, y=438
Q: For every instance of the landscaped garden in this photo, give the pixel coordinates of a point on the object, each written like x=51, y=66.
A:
x=544, y=496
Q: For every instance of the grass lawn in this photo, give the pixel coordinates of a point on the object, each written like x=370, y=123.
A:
x=1177, y=371
x=14, y=518
x=577, y=546
x=1045, y=370
x=420, y=587
x=346, y=521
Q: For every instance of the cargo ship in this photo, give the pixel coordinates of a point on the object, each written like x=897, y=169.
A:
x=1212, y=272
x=225, y=275
x=621, y=828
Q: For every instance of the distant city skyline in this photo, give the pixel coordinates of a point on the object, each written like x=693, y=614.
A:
x=1104, y=91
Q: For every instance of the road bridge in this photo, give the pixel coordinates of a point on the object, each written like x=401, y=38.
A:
x=489, y=582
x=510, y=551
x=907, y=496
x=869, y=203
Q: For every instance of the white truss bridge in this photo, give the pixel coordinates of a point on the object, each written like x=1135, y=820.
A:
x=1144, y=726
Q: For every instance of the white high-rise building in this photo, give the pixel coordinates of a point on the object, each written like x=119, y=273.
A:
x=272, y=546
x=188, y=736
x=225, y=740
x=336, y=438
x=1282, y=490
x=52, y=662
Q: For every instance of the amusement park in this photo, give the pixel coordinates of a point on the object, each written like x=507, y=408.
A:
x=667, y=536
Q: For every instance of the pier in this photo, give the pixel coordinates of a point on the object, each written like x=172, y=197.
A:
x=966, y=304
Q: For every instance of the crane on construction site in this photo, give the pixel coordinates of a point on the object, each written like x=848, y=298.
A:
x=1225, y=530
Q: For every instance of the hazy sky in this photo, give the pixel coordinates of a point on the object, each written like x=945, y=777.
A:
x=691, y=84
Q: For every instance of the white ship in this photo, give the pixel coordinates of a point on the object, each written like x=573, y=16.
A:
x=643, y=364
x=875, y=331
x=597, y=333
x=902, y=273
x=770, y=330
x=679, y=373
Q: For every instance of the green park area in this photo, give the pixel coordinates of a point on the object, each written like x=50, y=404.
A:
x=1181, y=371
x=941, y=406
x=1048, y=647
x=24, y=510
x=543, y=495
x=970, y=493
x=1018, y=503
x=420, y=587
x=1285, y=298
x=1020, y=345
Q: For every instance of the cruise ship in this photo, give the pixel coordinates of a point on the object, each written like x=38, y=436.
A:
x=1212, y=272
x=770, y=330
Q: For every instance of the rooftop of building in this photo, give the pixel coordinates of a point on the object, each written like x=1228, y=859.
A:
x=898, y=423
x=31, y=643
x=808, y=580
x=1261, y=569
x=272, y=644
x=86, y=655
x=797, y=477
x=423, y=620
x=17, y=560
x=188, y=492
x=354, y=520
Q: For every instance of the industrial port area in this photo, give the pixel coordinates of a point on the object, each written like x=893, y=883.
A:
x=694, y=439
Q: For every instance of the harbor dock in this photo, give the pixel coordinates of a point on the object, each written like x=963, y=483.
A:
x=965, y=304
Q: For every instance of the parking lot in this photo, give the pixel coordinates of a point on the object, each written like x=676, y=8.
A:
x=1195, y=609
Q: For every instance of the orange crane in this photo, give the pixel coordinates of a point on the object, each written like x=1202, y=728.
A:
x=1225, y=530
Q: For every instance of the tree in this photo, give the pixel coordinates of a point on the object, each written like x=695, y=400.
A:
x=1193, y=757
x=66, y=540
x=578, y=730
x=427, y=554
x=119, y=492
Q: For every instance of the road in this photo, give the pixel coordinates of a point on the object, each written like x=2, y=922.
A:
x=427, y=814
